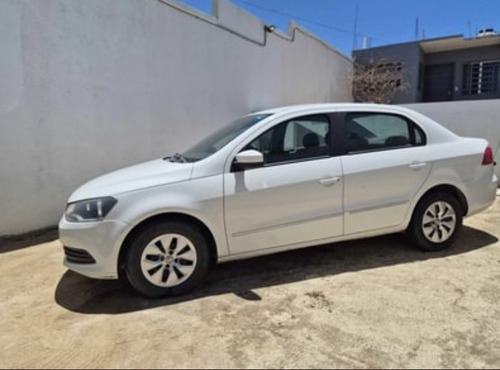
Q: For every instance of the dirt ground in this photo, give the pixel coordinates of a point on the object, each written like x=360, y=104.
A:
x=374, y=303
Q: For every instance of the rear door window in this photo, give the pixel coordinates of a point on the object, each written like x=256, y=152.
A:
x=379, y=131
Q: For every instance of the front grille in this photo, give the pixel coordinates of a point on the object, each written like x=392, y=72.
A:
x=75, y=255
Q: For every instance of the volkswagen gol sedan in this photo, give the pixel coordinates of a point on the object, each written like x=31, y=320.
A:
x=277, y=180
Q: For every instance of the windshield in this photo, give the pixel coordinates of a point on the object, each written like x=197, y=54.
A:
x=220, y=138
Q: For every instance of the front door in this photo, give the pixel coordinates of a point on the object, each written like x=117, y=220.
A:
x=295, y=197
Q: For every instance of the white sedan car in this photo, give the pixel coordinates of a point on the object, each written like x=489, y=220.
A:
x=277, y=180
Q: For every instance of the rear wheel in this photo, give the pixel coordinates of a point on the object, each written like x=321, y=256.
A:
x=435, y=222
x=167, y=259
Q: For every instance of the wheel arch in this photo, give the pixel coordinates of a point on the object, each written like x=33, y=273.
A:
x=173, y=216
x=450, y=189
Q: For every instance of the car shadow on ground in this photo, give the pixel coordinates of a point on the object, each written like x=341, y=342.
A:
x=84, y=295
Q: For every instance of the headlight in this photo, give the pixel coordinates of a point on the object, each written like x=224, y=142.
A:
x=89, y=210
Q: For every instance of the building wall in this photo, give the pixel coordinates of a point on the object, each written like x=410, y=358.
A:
x=408, y=54
x=413, y=58
x=419, y=93
x=91, y=86
x=474, y=118
x=461, y=57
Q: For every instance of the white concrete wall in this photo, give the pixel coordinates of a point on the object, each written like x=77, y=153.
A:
x=479, y=118
x=87, y=86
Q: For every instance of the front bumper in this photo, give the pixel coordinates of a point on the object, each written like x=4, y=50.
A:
x=92, y=248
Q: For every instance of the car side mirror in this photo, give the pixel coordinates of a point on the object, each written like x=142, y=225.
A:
x=248, y=159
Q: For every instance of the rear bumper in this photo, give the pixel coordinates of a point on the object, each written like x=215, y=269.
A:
x=480, y=196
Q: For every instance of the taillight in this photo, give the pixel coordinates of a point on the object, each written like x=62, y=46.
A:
x=488, y=156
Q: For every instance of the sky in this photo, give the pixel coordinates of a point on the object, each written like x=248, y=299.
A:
x=379, y=22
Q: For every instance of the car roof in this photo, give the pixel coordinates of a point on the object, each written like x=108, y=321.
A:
x=331, y=106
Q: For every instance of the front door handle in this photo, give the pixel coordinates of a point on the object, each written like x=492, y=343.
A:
x=417, y=165
x=329, y=181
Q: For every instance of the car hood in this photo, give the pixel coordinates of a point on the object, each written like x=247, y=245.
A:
x=141, y=176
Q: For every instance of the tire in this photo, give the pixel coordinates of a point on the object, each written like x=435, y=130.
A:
x=435, y=222
x=167, y=259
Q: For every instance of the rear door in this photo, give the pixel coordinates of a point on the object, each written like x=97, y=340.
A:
x=383, y=168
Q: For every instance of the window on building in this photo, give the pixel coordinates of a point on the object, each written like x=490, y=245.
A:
x=480, y=77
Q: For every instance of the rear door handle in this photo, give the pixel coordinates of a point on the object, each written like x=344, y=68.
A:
x=417, y=165
x=329, y=181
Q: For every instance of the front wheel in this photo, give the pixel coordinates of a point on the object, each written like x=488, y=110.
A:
x=435, y=222
x=167, y=259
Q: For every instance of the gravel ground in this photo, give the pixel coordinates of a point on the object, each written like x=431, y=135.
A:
x=373, y=303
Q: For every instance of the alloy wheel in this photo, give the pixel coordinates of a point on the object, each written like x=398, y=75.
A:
x=168, y=260
x=439, y=222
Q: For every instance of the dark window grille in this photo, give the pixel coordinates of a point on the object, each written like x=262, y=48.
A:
x=480, y=78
